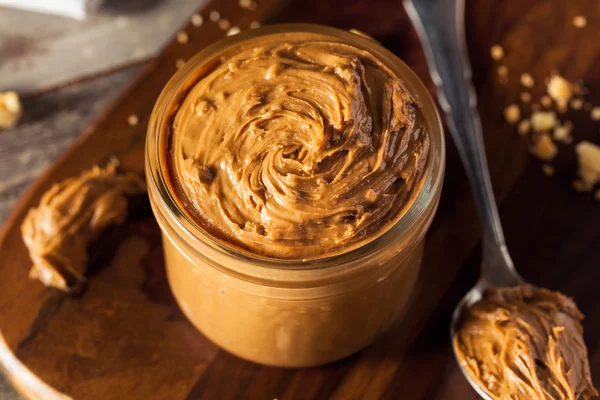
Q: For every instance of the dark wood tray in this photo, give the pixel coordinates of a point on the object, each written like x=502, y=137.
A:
x=126, y=339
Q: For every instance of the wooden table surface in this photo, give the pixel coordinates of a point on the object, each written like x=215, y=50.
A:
x=34, y=46
x=553, y=234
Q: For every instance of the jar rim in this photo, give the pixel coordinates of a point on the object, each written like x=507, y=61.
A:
x=172, y=213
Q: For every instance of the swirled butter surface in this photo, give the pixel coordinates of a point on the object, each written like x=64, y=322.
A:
x=298, y=146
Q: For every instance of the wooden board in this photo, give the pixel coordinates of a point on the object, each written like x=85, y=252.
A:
x=126, y=339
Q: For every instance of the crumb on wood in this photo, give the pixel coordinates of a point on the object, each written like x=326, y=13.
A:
x=133, y=120
x=183, y=37
x=224, y=24
x=248, y=4
x=502, y=71
x=197, y=20
x=577, y=104
x=527, y=80
x=512, y=113
x=548, y=170
x=546, y=101
x=543, y=147
x=10, y=109
x=588, y=158
x=542, y=121
x=524, y=127
x=497, y=52
x=560, y=89
x=579, y=21
x=214, y=15
x=234, y=30
x=562, y=132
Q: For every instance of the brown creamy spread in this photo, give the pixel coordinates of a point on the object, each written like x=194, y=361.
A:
x=70, y=216
x=525, y=343
x=298, y=146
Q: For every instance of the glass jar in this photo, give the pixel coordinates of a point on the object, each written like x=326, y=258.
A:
x=284, y=312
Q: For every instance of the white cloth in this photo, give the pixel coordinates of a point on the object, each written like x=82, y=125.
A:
x=77, y=9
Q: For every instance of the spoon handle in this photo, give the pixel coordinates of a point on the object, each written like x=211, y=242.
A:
x=440, y=25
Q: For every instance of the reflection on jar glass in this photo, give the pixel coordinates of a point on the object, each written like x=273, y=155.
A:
x=304, y=299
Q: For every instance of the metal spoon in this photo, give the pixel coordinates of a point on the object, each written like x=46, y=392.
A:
x=440, y=25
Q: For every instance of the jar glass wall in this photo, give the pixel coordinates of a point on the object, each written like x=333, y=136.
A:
x=290, y=312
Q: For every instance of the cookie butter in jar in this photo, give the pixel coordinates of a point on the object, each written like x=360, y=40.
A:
x=294, y=171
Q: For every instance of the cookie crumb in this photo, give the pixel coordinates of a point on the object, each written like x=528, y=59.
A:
x=224, y=24
x=10, y=109
x=524, y=127
x=133, y=120
x=527, y=80
x=214, y=15
x=548, y=170
x=579, y=21
x=197, y=20
x=525, y=97
x=546, y=101
x=497, y=52
x=595, y=113
x=502, y=71
x=179, y=63
x=588, y=158
x=254, y=24
x=560, y=89
x=248, y=4
x=183, y=37
x=562, y=133
x=233, y=31
x=512, y=114
x=544, y=148
x=576, y=104
x=543, y=121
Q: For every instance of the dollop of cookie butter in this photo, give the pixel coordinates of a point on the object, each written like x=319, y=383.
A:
x=525, y=343
x=298, y=147
x=71, y=215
